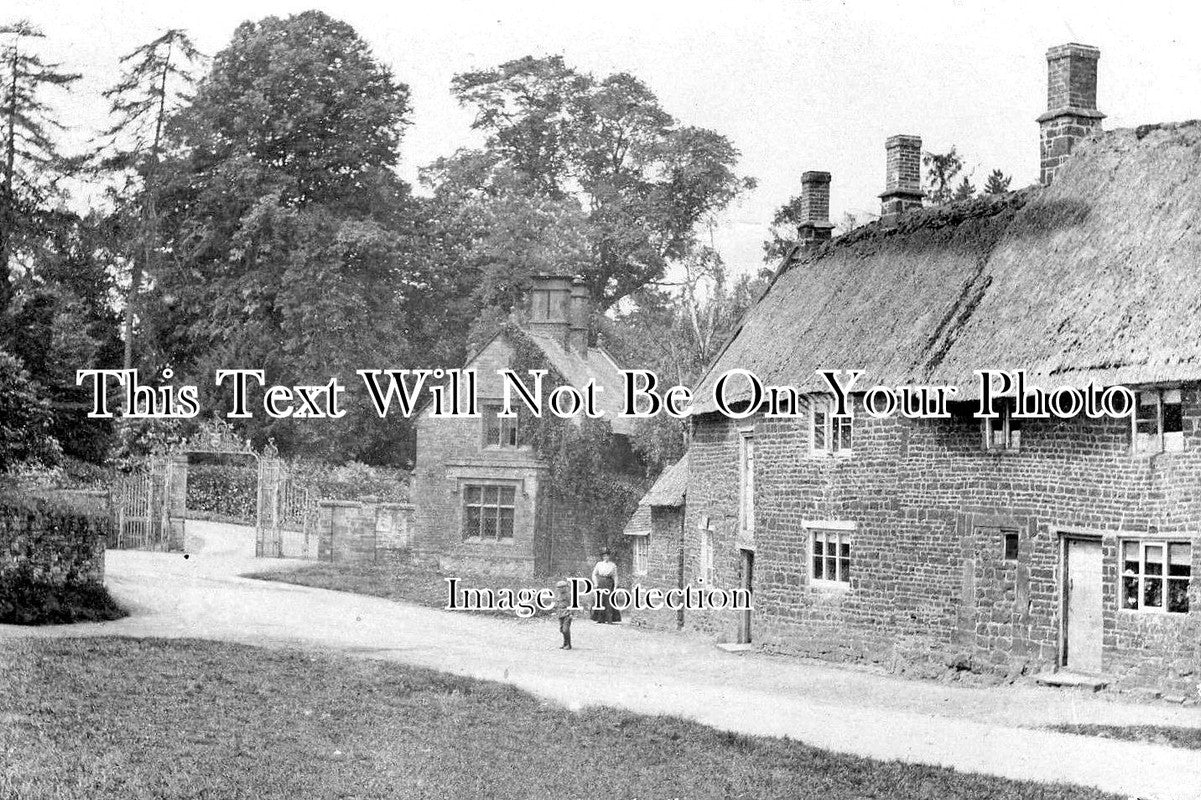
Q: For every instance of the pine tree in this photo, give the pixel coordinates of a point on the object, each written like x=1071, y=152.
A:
x=965, y=190
x=29, y=150
x=997, y=183
x=151, y=87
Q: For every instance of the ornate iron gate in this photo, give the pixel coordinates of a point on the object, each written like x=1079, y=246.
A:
x=287, y=511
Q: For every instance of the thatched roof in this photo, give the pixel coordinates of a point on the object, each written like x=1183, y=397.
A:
x=640, y=522
x=1091, y=279
x=669, y=490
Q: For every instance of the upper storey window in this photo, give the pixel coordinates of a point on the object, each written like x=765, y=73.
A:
x=828, y=433
x=1158, y=422
x=498, y=431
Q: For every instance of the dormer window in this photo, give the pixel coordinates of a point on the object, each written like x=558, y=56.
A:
x=1003, y=432
x=828, y=434
x=1158, y=422
x=498, y=431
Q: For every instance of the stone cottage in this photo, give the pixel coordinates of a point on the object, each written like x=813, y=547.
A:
x=484, y=497
x=656, y=535
x=1005, y=545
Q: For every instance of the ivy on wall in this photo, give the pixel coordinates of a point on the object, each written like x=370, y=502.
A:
x=592, y=471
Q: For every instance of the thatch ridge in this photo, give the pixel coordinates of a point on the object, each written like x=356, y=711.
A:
x=1086, y=280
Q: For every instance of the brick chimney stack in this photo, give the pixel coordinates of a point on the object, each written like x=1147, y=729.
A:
x=815, y=226
x=550, y=306
x=1072, y=111
x=581, y=317
x=903, y=177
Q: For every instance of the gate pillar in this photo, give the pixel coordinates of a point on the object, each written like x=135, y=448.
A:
x=175, y=501
x=268, y=539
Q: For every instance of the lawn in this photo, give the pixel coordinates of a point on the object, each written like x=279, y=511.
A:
x=129, y=718
x=413, y=584
x=1187, y=738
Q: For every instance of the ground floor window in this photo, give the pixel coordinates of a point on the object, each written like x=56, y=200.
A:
x=831, y=560
x=706, y=565
x=641, y=554
x=488, y=511
x=1155, y=576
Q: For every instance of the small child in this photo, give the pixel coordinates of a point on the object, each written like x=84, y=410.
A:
x=563, y=612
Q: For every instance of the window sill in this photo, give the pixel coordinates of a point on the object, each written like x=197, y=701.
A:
x=507, y=541
x=1154, y=613
x=839, y=587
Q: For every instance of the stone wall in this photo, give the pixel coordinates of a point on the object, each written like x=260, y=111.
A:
x=929, y=589
x=46, y=542
x=450, y=455
x=362, y=530
x=663, y=572
x=550, y=534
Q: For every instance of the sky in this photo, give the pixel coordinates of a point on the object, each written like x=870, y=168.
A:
x=796, y=86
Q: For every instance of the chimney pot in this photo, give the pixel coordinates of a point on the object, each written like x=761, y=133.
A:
x=815, y=226
x=550, y=306
x=902, y=176
x=1071, y=113
x=581, y=317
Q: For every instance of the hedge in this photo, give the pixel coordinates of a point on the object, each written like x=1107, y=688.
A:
x=52, y=561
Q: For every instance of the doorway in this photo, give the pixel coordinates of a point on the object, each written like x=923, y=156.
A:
x=746, y=584
x=1082, y=628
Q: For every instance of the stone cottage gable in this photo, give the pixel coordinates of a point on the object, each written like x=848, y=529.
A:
x=484, y=499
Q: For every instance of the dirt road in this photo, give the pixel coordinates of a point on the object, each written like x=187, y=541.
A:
x=989, y=730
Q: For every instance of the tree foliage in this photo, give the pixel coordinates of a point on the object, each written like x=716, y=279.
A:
x=677, y=332
x=294, y=247
x=997, y=183
x=941, y=171
x=626, y=184
x=24, y=418
x=30, y=155
x=151, y=87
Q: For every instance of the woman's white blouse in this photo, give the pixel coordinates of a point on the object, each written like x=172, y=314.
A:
x=604, y=569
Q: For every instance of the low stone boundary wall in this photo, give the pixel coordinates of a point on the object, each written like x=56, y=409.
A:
x=362, y=530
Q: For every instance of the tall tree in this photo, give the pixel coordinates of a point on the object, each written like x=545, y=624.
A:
x=639, y=182
x=30, y=154
x=154, y=78
x=294, y=247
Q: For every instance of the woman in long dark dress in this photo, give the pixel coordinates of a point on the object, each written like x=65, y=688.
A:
x=604, y=578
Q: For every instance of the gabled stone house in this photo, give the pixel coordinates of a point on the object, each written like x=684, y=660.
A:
x=484, y=499
x=1007, y=546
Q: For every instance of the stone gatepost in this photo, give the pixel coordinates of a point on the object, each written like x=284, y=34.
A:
x=268, y=542
x=175, y=501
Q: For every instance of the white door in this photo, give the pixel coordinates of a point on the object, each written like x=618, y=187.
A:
x=1083, y=574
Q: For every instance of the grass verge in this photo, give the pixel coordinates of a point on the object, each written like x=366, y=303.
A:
x=1186, y=738
x=148, y=718
x=400, y=581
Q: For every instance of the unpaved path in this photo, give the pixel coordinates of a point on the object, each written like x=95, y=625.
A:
x=989, y=730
